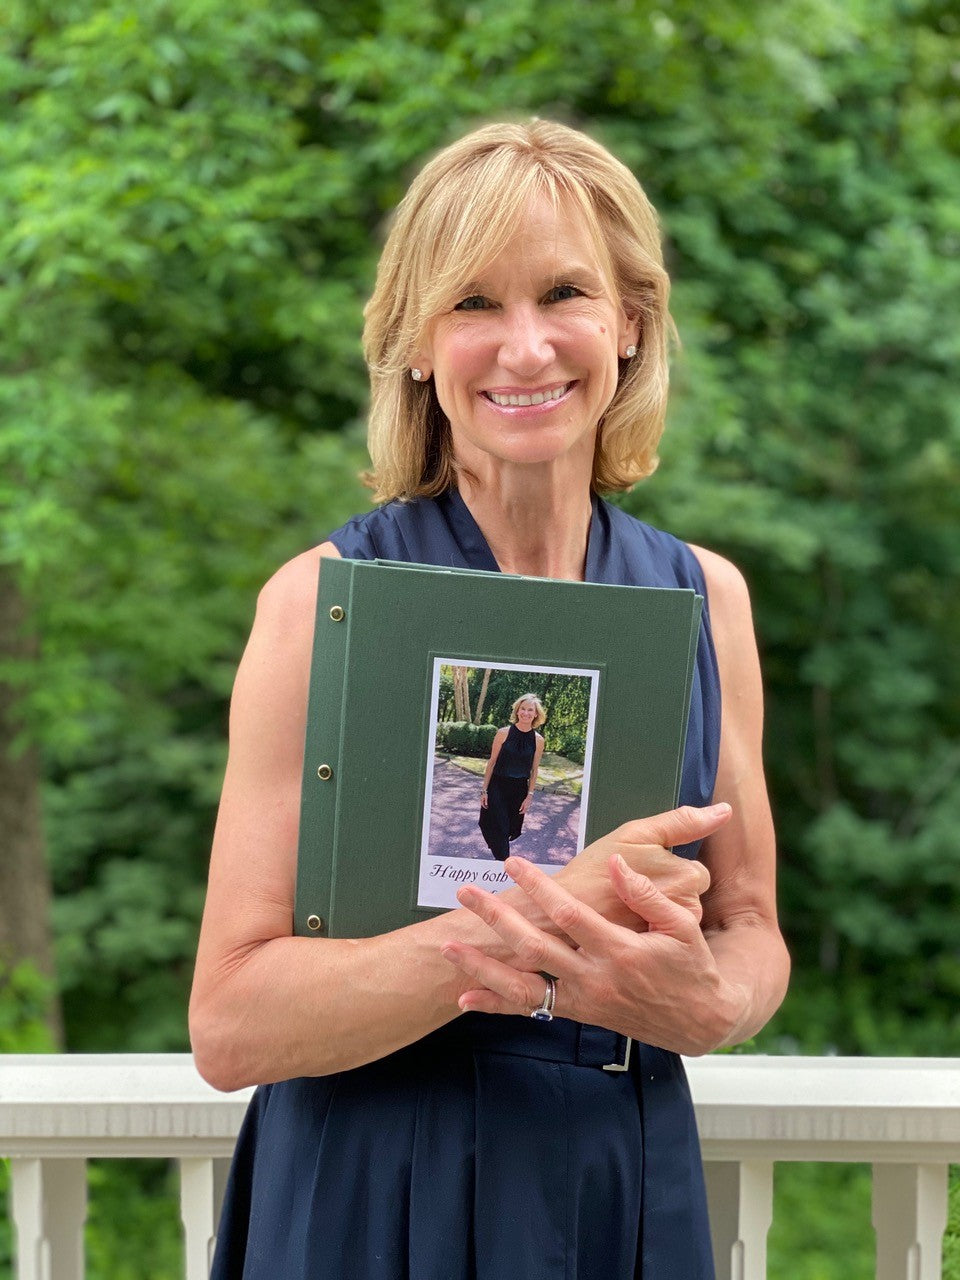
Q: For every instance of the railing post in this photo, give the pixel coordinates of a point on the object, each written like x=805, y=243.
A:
x=740, y=1196
x=202, y=1183
x=49, y=1207
x=909, y=1217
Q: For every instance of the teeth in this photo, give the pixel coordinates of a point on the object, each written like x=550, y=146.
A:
x=538, y=397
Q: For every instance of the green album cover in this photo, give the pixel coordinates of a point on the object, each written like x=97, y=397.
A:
x=414, y=670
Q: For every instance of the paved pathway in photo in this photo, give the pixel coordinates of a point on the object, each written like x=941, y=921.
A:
x=549, y=830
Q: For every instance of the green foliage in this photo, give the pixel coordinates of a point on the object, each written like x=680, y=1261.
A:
x=163, y=361
x=24, y=1000
x=570, y=744
x=565, y=698
x=133, y=1229
x=951, y=1240
x=462, y=739
x=821, y=1223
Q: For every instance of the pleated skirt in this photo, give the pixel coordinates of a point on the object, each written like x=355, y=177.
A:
x=493, y=1149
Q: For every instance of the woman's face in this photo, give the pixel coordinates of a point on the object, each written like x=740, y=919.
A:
x=525, y=361
x=526, y=714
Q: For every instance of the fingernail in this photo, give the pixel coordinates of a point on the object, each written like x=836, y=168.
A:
x=717, y=809
x=621, y=864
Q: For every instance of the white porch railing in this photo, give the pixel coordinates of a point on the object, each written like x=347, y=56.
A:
x=902, y=1115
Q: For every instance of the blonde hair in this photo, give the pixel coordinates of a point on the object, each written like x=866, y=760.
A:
x=459, y=214
x=541, y=716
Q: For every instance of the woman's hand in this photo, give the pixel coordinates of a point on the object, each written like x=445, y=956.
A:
x=662, y=987
x=645, y=847
x=526, y=802
x=483, y=800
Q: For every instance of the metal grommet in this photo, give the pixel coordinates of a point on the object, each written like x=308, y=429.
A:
x=324, y=772
x=315, y=923
x=336, y=613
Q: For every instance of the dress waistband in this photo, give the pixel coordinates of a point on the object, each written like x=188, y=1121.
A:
x=561, y=1040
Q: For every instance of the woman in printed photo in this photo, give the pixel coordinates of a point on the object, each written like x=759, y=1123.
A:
x=510, y=778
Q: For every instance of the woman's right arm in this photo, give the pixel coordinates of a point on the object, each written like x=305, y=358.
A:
x=265, y=1005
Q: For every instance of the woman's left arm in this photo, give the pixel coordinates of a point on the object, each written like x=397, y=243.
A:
x=740, y=908
x=682, y=985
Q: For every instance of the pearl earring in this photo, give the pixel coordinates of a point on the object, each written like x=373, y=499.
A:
x=630, y=352
x=416, y=375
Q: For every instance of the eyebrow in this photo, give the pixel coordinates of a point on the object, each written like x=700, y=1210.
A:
x=573, y=273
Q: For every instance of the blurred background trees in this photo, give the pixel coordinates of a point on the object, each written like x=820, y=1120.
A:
x=191, y=203
x=487, y=695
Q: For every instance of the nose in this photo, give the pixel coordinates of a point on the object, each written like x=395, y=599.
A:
x=526, y=344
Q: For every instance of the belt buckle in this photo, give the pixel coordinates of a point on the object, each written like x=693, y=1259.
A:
x=625, y=1064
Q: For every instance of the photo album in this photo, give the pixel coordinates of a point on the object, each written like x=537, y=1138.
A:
x=457, y=717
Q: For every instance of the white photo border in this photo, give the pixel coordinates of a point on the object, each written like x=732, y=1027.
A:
x=434, y=892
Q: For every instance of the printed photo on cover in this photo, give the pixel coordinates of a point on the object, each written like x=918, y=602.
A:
x=507, y=772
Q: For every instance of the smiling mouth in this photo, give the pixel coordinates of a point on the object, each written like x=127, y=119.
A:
x=535, y=397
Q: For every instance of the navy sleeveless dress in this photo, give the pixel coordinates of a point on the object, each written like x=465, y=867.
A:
x=495, y=1148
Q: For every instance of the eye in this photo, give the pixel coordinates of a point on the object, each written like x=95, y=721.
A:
x=476, y=302
x=562, y=292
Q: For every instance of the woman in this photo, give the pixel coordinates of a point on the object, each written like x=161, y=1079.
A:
x=516, y=341
x=510, y=777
